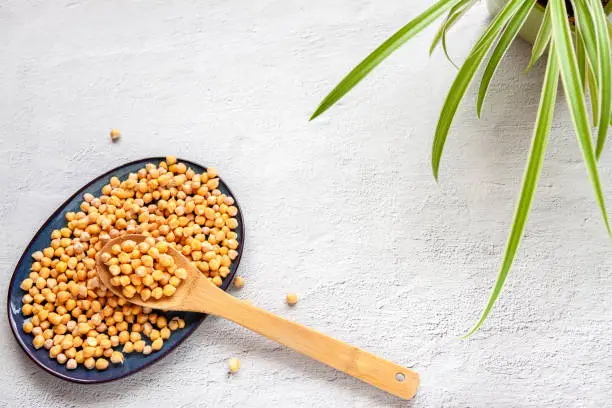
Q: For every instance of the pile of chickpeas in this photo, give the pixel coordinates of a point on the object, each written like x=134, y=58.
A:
x=69, y=311
x=144, y=269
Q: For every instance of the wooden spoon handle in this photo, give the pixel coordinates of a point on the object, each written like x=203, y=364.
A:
x=358, y=363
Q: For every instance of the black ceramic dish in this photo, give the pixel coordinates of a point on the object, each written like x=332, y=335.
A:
x=135, y=361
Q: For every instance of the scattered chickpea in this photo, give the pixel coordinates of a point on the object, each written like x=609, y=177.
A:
x=292, y=299
x=238, y=282
x=233, y=365
x=115, y=135
x=71, y=364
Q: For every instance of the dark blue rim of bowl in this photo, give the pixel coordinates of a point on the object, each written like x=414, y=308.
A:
x=226, y=282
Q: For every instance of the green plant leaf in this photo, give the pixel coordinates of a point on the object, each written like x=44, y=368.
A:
x=454, y=15
x=575, y=96
x=530, y=179
x=605, y=73
x=586, y=28
x=542, y=39
x=609, y=24
x=592, y=84
x=587, y=54
x=383, y=51
x=464, y=78
x=587, y=76
x=581, y=59
x=505, y=40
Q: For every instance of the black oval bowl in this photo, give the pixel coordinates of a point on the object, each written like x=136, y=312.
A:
x=134, y=361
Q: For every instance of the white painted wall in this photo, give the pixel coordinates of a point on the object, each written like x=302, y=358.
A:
x=343, y=210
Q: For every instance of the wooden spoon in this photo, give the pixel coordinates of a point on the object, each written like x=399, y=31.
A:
x=198, y=294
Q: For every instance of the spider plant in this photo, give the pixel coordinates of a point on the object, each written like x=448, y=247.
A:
x=579, y=56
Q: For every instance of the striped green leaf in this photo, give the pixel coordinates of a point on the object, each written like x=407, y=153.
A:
x=530, y=179
x=383, y=51
x=464, y=78
x=586, y=28
x=575, y=95
x=505, y=40
x=605, y=73
x=587, y=76
x=453, y=16
x=542, y=39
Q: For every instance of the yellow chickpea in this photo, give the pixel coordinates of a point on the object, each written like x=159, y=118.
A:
x=292, y=299
x=139, y=346
x=101, y=364
x=169, y=290
x=89, y=363
x=157, y=293
x=238, y=282
x=157, y=344
x=128, y=347
x=233, y=365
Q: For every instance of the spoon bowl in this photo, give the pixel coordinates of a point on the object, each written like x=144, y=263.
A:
x=178, y=301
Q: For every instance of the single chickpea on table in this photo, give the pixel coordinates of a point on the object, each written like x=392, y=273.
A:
x=292, y=299
x=233, y=365
x=69, y=311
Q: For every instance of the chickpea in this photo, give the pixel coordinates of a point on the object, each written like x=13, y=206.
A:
x=101, y=364
x=128, y=347
x=26, y=284
x=238, y=282
x=61, y=358
x=233, y=365
x=292, y=299
x=55, y=351
x=38, y=341
x=157, y=344
x=173, y=325
x=89, y=363
x=116, y=357
x=28, y=326
x=139, y=346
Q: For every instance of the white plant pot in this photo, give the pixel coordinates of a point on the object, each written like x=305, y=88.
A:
x=530, y=29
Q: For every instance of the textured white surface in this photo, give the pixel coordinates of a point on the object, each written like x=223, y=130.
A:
x=342, y=210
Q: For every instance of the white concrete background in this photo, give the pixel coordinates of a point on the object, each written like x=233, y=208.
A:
x=343, y=210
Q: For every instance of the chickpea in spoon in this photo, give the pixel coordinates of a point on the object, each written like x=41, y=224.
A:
x=197, y=293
